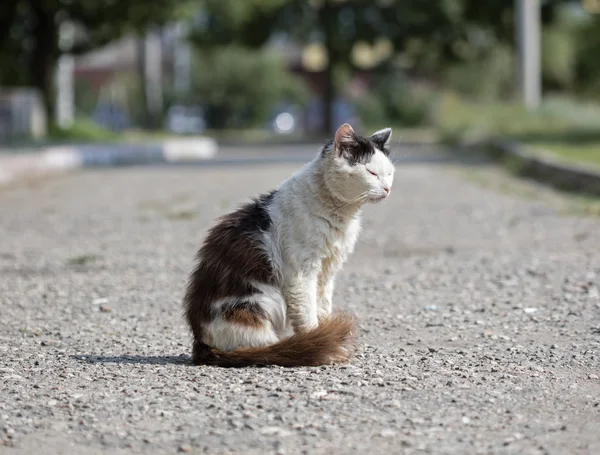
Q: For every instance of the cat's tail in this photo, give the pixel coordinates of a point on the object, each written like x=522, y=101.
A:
x=333, y=341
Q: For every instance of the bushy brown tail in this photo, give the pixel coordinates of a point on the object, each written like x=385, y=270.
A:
x=333, y=341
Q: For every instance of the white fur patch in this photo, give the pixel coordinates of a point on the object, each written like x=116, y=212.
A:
x=272, y=302
x=381, y=165
x=228, y=336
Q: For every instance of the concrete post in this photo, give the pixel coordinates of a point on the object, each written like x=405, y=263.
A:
x=153, y=76
x=529, y=45
x=182, y=61
x=65, y=84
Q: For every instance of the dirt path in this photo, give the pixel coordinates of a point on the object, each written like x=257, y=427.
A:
x=479, y=309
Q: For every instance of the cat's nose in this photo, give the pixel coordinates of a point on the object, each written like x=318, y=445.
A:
x=387, y=189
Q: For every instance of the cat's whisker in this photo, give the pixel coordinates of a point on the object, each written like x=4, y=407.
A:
x=362, y=198
x=358, y=200
x=400, y=158
x=396, y=147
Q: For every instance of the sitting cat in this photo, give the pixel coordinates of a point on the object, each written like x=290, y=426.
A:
x=261, y=292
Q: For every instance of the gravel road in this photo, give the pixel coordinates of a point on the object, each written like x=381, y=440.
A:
x=479, y=310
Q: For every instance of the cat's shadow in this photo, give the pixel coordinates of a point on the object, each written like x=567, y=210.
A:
x=135, y=359
x=127, y=359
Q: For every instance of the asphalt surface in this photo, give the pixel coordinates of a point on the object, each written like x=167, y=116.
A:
x=479, y=311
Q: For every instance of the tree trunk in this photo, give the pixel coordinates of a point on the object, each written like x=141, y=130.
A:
x=150, y=73
x=8, y=12
x=328, y=23
x=141, y=67
x=43, y=56
x=328, y=99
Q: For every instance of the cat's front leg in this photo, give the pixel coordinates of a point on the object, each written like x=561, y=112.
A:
x=325, y=288
x=325, y=300
x=300, y=294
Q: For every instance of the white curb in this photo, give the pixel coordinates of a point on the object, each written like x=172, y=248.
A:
x=177, y=150
x=66, y=158
x=27, y=165
x=61, y=159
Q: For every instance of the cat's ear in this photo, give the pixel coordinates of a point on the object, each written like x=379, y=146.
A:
x=344, y=136
x=382, y=137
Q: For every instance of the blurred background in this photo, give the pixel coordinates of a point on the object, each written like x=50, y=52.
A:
x=98, y=70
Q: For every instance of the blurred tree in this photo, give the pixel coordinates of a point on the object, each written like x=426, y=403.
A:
x=479, y=60
x=29, y=32
x=229, y=100
x=588, y=63
x=431, y=33
x=337, y=25
x=395, y=101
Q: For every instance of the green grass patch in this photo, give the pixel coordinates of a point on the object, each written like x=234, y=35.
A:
x=182, y=215
x=582, y=153
x=82, y=260
x=245, y=136
x=513, y=165
x=83, y=131
x=566, y=128
x=586, y=205
x=556, y=118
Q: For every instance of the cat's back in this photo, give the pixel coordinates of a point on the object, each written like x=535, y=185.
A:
x=236, y=240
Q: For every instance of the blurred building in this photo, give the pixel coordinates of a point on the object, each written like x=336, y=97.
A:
x=22, y=114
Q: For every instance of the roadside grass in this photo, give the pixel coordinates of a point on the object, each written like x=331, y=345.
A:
x=182, y=215
x=582, y=153
x=82, y=260
x=82, y=130
x=568, y=129
x=85, y=131
x=567, y=204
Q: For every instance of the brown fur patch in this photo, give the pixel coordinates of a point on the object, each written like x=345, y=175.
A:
x=333, y=341
x=248, y=315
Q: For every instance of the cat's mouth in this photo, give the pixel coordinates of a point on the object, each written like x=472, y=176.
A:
x=380, y=197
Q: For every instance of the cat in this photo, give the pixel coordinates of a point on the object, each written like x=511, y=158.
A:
x=262, y=290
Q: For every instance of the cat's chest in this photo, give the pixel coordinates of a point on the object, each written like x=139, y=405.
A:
x=339, y=243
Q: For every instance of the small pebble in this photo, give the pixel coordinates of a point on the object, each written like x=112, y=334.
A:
x=387, y=433
x=50, y=343
x=268, y=431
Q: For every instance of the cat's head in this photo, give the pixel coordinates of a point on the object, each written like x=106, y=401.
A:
x=359, y=167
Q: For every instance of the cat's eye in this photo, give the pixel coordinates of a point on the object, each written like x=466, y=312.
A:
x=371, y=172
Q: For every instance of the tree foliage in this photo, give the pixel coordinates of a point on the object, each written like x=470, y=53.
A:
x=588, y=63
x=432, y=34
x=337, y=25
x=229, y=99
x=29, y=32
